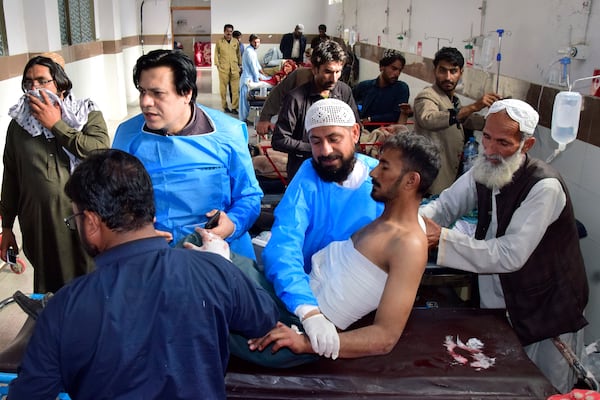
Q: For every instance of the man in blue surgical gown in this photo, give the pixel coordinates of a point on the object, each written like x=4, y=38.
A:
x=197, y=157
x=328, y=200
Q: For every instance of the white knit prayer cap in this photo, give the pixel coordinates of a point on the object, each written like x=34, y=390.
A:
x=519, y=111
x=329, y=112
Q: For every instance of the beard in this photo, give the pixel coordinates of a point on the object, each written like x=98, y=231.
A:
x=382, y=196
x=334, y=174
x=497, y=175
x=87, y=246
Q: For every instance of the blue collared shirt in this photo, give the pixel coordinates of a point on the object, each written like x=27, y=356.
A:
x=150, y=322
x=381, y=104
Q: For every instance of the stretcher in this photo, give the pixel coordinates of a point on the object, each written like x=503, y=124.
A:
x=11, y=355
x=420, y=366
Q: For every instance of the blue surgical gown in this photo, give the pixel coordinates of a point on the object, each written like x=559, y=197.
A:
x=194, y=174
x=312, y=214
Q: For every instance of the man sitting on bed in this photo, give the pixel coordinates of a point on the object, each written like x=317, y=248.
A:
x=379, y=267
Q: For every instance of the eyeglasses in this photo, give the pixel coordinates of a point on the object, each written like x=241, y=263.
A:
x=70, y=221
x=30, y=84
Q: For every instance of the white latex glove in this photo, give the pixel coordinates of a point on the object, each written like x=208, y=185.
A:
x=211, y=243
x=323, y=335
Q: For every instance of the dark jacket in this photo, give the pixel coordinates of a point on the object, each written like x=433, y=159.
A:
x=547, y=296
x=286, y=44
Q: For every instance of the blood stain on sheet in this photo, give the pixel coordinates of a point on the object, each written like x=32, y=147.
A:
x=470, y=353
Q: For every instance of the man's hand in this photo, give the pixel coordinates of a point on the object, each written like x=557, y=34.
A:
x=263, y=127
x=487, y=100
x=168, y=236
x=282, y=336
x=225, y=226
x=8, y=240
x=211, y=243
x=44, y=110
x=323, y=336
x=433, y=233
x=405, y=112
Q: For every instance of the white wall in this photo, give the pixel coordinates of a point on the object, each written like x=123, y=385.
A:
x=269, y=16
x=13, y=18
x=532, y=42
x=129, y=12
x=535, y=30
x=43, y=31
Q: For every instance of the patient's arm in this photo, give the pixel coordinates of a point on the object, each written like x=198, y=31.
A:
x=407, y=259
x=406, y=266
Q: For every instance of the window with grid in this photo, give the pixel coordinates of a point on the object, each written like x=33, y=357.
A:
x=76, y=21
x=3, y=43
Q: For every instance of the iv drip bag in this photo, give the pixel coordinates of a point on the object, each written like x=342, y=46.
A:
x=565, y=118
x=487, y=55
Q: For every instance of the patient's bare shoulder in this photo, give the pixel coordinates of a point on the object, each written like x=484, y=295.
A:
x=384, y=243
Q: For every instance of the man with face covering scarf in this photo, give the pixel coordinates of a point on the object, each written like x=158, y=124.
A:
x=51, y=131
x=526, y=246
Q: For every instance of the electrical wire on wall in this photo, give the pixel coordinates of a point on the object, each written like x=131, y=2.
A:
x=142, y=25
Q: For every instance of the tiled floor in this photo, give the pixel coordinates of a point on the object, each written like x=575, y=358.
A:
x=11, y=317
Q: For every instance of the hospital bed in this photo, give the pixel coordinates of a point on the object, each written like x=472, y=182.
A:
x=420, y=366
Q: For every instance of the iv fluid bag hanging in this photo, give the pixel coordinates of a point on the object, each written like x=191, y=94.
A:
x=565, y=117
x=487, y=55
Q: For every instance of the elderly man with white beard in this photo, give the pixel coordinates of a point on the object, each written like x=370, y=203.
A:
x=526, y=246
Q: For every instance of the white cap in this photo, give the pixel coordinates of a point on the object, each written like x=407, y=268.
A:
x=329, y=112
x=519, y=111
x=300, y=28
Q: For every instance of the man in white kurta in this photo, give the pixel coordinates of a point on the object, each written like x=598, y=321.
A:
x=525, y=247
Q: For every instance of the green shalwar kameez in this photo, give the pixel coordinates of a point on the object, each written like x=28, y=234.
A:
x=35, y=172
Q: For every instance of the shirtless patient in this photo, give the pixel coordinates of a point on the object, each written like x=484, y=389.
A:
x=380, y=267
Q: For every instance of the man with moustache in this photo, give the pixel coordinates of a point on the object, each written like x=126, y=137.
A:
x=440, y=116
x=381, y=98
x=380, y=266
x=197, y=157
x=327, y=201
x=228, y=60
x=252, y=72
x=293, y=44
x=526, y=245
x=151, y=322
x=290, y=136
x=329, y=276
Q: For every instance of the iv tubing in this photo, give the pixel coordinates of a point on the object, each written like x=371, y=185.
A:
x=582, y=79
x=500, y=32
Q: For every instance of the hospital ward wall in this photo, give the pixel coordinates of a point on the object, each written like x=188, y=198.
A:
x=270, y=20
x=578, y=164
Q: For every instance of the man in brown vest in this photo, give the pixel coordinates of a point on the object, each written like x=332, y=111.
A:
x=526, y=246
